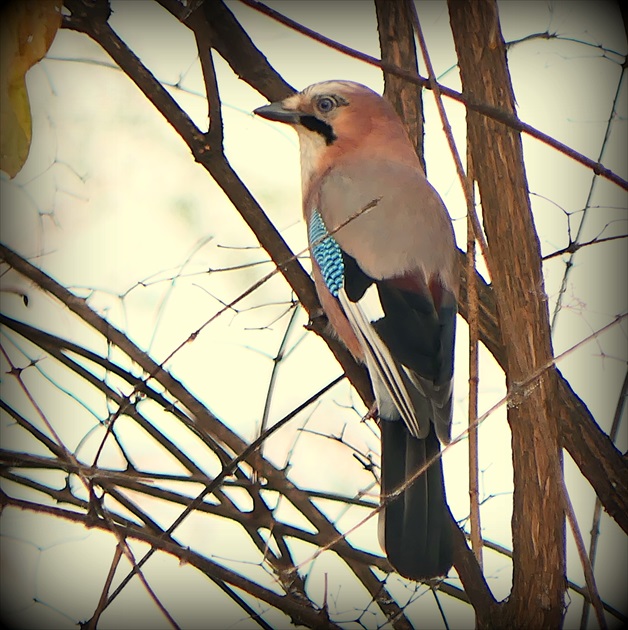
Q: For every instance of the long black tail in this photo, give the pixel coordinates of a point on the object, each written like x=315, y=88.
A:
x=417, y=524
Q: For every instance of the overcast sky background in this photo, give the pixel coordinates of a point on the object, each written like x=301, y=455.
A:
x=111, y=197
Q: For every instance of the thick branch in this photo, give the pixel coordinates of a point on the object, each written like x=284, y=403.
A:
x=538, y=525
x=234, y=44
x=396, y=41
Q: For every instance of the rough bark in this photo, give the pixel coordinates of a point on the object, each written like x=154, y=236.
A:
x=396, y=42
x=593, y=452
x=538, y=524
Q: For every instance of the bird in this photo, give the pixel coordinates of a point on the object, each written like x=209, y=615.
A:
x=383, y=261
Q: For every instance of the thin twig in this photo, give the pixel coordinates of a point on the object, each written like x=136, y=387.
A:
x=597, y=510
x=92, y=624
x=584, y=559
x=215, y=483
x=94, y=502
x=569, y=264
x=573, y=247
x=474, y=380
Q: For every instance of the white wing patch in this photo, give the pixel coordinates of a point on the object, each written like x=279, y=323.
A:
x=370, y=304
x=379, y=360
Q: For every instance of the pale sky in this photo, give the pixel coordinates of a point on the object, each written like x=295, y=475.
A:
x=111, y=197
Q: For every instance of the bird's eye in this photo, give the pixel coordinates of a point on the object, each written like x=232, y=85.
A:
x=325, y=104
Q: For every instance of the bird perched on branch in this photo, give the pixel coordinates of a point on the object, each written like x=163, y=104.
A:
x=383, y=256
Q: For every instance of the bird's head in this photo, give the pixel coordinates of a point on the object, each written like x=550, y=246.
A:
x=340, y=119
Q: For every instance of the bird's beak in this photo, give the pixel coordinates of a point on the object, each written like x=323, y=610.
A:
x=277, y=111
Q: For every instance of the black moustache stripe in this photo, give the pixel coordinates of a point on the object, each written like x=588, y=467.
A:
x=319, y=126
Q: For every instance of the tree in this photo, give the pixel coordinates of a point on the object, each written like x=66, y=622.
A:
x=255, y=501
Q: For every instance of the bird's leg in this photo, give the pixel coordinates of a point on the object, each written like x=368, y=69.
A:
x=372, y=413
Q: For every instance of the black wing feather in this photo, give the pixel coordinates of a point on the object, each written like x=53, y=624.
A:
x=417, y=522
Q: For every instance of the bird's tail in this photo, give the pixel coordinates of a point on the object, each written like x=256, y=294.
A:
x=417, y=532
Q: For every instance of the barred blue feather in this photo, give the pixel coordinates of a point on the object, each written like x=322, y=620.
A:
x=327, y=254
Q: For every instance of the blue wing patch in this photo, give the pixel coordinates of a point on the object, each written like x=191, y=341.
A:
x=327, y=254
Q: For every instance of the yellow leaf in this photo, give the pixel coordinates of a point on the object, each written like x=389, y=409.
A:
x=27, y=29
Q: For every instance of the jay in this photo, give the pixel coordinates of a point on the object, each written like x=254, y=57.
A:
x=383, y=260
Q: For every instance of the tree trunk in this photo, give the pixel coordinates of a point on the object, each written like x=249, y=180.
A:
x=396, y=41
x=538, y=524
